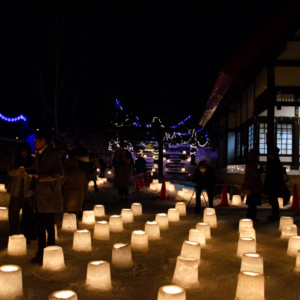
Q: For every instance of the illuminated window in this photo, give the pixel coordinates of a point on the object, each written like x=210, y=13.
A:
x=238, y=144
x=286, y=97
x=285, y=138
x=251, y=137
x=263, y=138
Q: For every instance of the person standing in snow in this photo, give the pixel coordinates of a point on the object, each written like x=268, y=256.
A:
x=121, y=162
x=253, y=183
x=93, y=170
x=204, y=176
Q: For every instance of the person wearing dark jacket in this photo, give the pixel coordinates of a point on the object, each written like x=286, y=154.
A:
x=273, y=182
x=253, y=182
x=140, y=165
x=103, y=166
x=204, y=176
x=47, y=189
x=19, y=184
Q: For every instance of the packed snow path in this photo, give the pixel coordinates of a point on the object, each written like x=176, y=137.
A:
x=218, y=271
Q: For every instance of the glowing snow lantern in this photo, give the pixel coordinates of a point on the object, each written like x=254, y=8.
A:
x=189, y=159
x=280, y=201
x=197, y=236
x=162, y=220
x=145, y=155
x=99, y=210
x=191, y=249
x=82, y=240
x=17, y=245
x=246, y=245
x=121, y=256
x=2, y=188
x=294, y=246
x=69, y=222
x=53, y=259
x=3, y=213
x=291, y=199
x=183, y=152
x=251, y=285
x=181, y=208
x=65, y=295
x=236, y=200
x=88, y=217
x=209, y=210
x=186, y=272
x=171, y=292
x=289, y=231
x=153, y=231
x=211, y=219
x=155, y=181
x=182, y=169
x=248, y=232
x=98, y=275
x=115, y=223
x=285, y=221
x=139, y=241
x=252, y=262
x=104, y=180
x=168, y=160
x=127, y=215
x=109, y=172
x=205, y=228
x=11, y=284
x=245, y=223
x=297, y=268
x=173, y=215
x=137, y=209
x=101, y=230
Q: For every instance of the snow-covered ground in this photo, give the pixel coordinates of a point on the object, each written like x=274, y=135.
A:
x=218, y=271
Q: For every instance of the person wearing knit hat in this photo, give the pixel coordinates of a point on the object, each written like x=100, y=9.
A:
x=273, y=181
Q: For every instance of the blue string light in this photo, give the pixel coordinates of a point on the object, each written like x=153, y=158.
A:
x=118, y=104
x=182, y=122
x=19, y=118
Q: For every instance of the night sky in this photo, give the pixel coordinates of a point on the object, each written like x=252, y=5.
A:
x=159, y=58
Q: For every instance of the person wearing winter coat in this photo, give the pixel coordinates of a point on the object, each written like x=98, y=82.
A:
x=121, y=162
x=19, y=184
x=75, y=187
x=253, y=182
x=273, y=181
x=204, y=176
x=47, y=189
x=103, y=166
x=140, y=165
x=93, y=170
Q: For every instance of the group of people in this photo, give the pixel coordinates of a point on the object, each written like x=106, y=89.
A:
x=46, y=183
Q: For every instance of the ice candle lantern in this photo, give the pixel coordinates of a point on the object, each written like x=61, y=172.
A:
x=197, y=236
x=248, y=232
x=285, y=221
x=186, y=272
x=246, y=244
x=211, y=219
x=69, y=222
x=251, y=285
x=17, y=245
x=115, y=223
x=121, y=256
x=209, y=210
x=173, y=215
x=280, y=202
x=139, y=241
x=162, y=220
x=3, y=213
x=171, y=292
x=252, y=262
x=205, y=228
x=245, y=223
x=236, y=200
x=11, y=284
x=99, y=210
x=101, y=230
x=88, y=217
x=294, y=246
x=53, y=259
x=297, y=268
x=65, y=295
x=289, y=231
x=191, y=249
x=181, y=208
x=153, y=231
x=127, y=215
x=98, y=275
x=82, y=240
x=137, y=209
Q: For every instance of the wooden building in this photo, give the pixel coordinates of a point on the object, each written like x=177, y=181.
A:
x=258, y=92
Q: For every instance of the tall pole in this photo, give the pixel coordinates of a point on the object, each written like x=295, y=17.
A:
x=160, y=134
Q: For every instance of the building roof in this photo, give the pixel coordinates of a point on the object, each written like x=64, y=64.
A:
x=248, y=55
